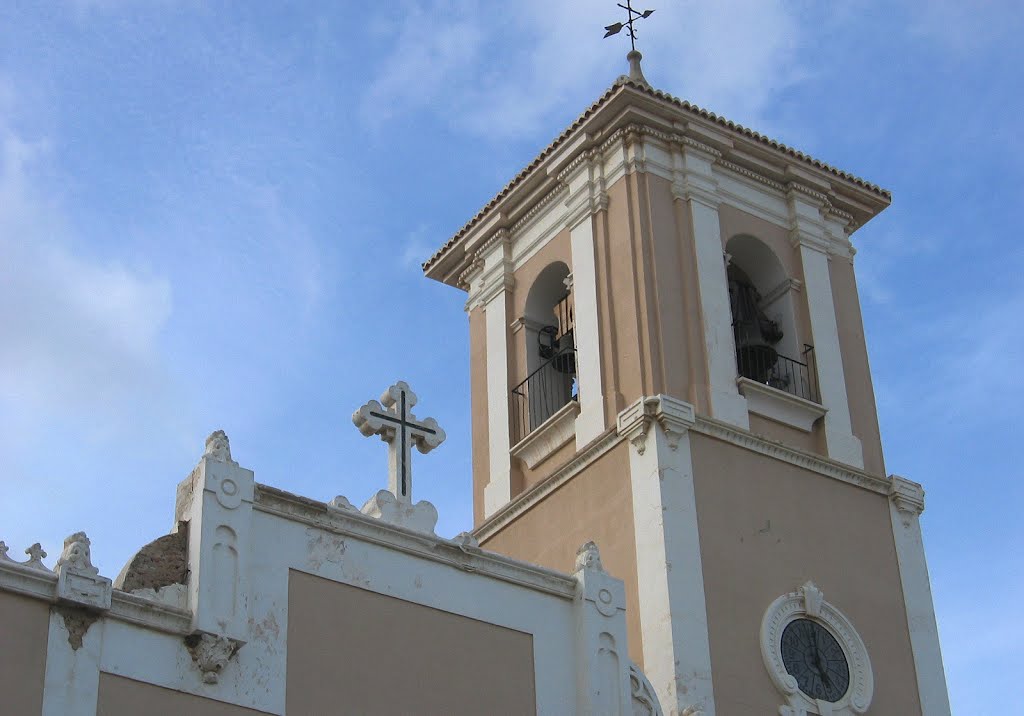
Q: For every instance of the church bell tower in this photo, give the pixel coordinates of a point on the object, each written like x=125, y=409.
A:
x=668, y=359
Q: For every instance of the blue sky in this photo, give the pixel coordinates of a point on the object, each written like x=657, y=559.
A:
x=212, y=216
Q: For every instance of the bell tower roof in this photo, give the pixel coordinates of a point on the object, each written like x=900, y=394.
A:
x=632, y=104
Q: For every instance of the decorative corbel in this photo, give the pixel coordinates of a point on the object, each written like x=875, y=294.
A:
x=813, y=598
x=908, y=497
x=211, y=654
x=674, y=417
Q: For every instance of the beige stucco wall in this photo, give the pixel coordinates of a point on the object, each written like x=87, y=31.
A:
x=792, y=525
x=859, y=388
x=812, y=442
x=119, y=696
x=354, y=651
x=543, y=470
x=23, y=633
x=595, y=505
x=478, y=403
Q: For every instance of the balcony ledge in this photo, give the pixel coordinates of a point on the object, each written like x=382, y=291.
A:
x=550, y=435
x=780, y=406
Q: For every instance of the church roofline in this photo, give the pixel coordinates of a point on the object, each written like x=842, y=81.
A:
x=866, y=196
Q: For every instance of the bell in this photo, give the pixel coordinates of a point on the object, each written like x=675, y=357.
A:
x=755, y=333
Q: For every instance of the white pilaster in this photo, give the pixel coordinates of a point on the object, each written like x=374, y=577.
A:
x=491, y=292
x=695, y=183
x=71, y=681
x=673, y=613
x=603, y=657
x=590, y=422
x=216, y=500
x=905, y=506
x=809, y=234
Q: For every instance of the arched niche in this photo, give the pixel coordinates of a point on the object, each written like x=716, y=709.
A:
x=752, y=257
x=543, y=307
x=547, y=321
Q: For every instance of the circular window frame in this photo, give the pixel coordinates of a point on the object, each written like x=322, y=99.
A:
x=808, y=602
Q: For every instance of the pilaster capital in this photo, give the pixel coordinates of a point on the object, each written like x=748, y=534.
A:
x=693, y=178
x=672, y=415
x=809, y=236
x=525, y=322
x=908, y=497
x=491, y=271
x=587, y=188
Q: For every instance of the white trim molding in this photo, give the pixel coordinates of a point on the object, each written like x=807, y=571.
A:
x=695, y=184
x=673, y=611
x=905, y=507
x=810, y=236
x=780, y=406
x=496, y=282
x=587, y=331
x=808, y=602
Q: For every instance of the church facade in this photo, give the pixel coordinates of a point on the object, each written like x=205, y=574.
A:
x=680, y=499
x=264, y=602
x=668, y=358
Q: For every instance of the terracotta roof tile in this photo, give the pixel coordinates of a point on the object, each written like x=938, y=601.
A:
x=680, y=103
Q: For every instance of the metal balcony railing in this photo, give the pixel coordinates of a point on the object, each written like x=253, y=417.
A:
x=543, y=393
x=766, y=366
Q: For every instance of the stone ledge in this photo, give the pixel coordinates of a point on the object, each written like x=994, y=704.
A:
x=552, y=434
x=780, y=406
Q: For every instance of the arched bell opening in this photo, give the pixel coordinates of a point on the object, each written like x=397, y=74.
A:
x=548, y=331
x=768, y=348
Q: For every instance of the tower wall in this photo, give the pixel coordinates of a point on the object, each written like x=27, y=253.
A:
x=767, y=526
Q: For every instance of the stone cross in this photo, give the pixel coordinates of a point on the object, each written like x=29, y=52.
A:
x=393, y=420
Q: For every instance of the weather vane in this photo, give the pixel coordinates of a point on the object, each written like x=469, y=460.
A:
x=634, y=15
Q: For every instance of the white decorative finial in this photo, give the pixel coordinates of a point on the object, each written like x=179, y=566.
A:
x=588, y=557
x=36, y=553
x=636, y=74
x=78, y=581
x=392, y=419
x=218, y=448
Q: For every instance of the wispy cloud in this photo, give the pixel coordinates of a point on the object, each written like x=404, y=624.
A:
x=732, y=56
x=78, y=335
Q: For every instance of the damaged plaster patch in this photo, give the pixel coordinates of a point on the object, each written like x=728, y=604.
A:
x=161, y=563
x=323, y=547
x=173, y=595
x=77, y=622
x=267, y=630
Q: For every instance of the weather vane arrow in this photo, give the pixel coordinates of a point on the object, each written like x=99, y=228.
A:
x=632, y=16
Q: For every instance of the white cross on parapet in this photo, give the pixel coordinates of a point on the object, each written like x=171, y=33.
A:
x=392, y=419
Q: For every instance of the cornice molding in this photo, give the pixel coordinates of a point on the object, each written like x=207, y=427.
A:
x=501, y=235
x=751, y=174
x=124, y=606
x=451, y=552
x=710, y=427
x=537, y=208
x=815, y=463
